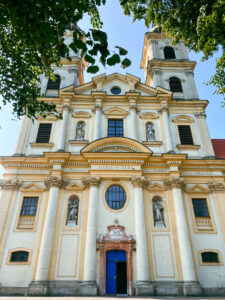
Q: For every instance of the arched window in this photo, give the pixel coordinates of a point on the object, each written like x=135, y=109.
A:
x=175, y=85
x=54, y=84
x=115, y=197
x=19, y=256
x=169, y=53
x=210, y=257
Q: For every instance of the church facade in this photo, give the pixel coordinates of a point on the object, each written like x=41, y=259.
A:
x=124, y=195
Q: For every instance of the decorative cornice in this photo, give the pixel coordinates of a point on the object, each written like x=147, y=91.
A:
x=216, y=187
x=10, y=185
x=139, y=181
x=91, y=181
x=201, y=115
x=55, y=182
x=174, y=183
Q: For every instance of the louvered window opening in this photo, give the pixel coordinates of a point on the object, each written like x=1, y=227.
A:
x=29, y=206
x=210, y=257
x=169, y=53
x=115, y=127
x=19, y=256
x=185, y=135
x=115, y=197
x=175, y=85
x=54, y=84
x=44, y=132
x=200, y=207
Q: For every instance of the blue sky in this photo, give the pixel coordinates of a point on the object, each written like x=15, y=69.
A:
x=121, y=31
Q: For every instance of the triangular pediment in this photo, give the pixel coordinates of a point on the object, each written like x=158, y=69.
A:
x=197, y=189
x=74, y=187
x=32, y=187
x=116, y=111
x=115, y=144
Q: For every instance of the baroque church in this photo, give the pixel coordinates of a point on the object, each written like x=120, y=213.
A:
x=124, y=195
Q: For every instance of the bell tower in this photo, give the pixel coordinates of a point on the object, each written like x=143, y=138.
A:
x=168, y=66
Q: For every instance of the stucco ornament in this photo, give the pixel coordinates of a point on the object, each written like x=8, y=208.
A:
x=216, y=187
x=55, y=181
x=80, y=131
x=175, y=182
x=150, y=132
x=10, y=185
x=91, y=181
x=139, y=181
x=72, y=212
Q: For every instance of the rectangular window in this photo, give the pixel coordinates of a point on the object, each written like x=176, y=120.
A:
x=44, y=132
x=185, y=135
x=115, y=127
x=29, y=206
x=200, y=207
x=54, y=84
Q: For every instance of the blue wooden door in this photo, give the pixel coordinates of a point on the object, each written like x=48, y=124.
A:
x=112, y=257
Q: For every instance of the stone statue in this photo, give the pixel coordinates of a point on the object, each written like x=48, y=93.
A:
x=72, y=213
x=158, y=212
x=150, y=132
x=80, y=132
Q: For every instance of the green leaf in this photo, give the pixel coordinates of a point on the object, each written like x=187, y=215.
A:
x=115, y=59
x=122, y=51
x=89, y=59
x=93, y=69
x=125, y=63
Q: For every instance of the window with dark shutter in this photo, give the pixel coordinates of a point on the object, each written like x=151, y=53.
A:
x=115, y=127
x=44, y=132
x=175, y=85
x=210, y=257
x=200, y=207
x=169, y=53
x=29, y=206
x=19, y=256
x=54, y=84
x=185, y=135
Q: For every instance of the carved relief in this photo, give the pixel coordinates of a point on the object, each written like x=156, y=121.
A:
x=91, y=181
x=216, y=187
x=174, y=183
x=55, y=181
x=158, y=212
x=72, y=211
x=10, y=185
x=139, y=181
x=150, y=132
x=80, y=131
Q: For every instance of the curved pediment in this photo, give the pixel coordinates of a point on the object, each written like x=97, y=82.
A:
x=116, y=144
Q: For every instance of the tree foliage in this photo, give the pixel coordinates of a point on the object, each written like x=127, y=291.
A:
x=32, y=39
x=201, y=24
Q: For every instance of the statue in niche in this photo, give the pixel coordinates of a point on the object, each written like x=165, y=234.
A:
x=80, y=131
x=158, y=212
x=150, y=132
x=72, y=213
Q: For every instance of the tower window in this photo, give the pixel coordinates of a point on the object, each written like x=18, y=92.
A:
x=54, y=84
x=200, y=207
x=175, y=85
x=169, y=53
x=115, y=197
x=115, y=127
x=115, y=90
x=185, y=135
x=19, y=256
x=210, y=257
x=29, y=206
x=44, y=132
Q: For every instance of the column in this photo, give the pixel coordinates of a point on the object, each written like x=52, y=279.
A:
x=169, y=146
x=90, y=248
x=176, y=184
x=55, y=183
x=139, y=182
x=62, y=137
x=98, y=115
x=23, y=136
x=133, y=124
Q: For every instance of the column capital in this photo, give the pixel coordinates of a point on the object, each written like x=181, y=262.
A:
x=174, y=183
x=201, y=115
x=97, y=105
x=216, y=187
x=91, y=181
x=139, y=181
x=66, y=106
x=10, y=185
x=54, y=181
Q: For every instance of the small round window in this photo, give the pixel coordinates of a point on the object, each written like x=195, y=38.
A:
x=115, y=197
x=115, y=90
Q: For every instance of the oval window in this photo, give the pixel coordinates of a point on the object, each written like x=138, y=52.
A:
x=115, y=90
x=115, y=197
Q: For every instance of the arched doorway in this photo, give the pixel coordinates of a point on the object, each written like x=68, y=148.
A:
x=116, y=272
